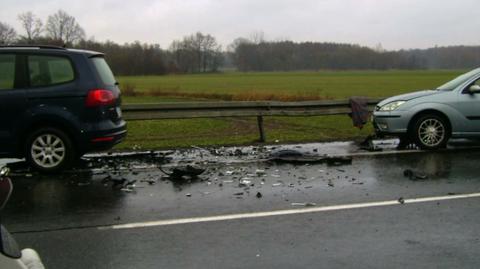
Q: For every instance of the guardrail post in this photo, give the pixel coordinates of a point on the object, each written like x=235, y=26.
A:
x=260, y=129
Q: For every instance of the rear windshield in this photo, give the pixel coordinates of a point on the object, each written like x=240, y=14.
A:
x=104, y=71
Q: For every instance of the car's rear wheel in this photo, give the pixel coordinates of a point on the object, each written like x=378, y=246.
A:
x=431, y=132
x=49, y=150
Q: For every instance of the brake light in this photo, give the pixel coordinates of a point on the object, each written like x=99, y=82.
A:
x=99, y=97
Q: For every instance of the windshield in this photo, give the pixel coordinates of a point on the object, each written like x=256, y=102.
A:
x=104, y=71
x=451, y=85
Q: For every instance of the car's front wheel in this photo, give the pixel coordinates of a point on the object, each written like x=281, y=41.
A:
x=431, y=132
x=49, y=150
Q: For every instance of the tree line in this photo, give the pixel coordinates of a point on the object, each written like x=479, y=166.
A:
x=196, y=53
x=201, y=53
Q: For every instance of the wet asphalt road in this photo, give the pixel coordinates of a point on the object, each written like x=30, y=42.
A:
x=69, y=218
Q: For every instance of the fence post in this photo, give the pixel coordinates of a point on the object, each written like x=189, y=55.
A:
x=260, y=128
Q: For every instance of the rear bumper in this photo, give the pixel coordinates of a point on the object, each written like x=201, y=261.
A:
x=107, y=141
x=101, y=139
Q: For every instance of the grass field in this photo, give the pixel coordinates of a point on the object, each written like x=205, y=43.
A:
x=291, y=86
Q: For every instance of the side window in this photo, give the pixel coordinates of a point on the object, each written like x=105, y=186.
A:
x=7, y=71
x=49, y=70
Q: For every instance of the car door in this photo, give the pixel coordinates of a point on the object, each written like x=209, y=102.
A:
x=52, y=87
x=469, y=105
x=12, y=100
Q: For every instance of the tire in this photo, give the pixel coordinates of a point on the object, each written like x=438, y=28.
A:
x=431, y=132
x=49, y=150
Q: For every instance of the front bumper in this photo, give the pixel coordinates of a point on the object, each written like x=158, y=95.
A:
x=388, y=123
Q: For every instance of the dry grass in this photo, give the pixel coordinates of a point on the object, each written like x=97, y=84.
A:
x=129, y=90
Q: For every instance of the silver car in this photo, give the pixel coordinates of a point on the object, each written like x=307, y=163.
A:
x=430, y=118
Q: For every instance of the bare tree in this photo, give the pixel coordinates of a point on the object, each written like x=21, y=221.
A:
x=237, y=42
x=257, y=37
x=197, y=53
x=32, y=26
x=62, y=26
x=7, y=34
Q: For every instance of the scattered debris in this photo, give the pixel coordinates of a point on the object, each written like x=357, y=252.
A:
x=150, y=181
x=188, y=194
x=286, y=153
x=401, y=200
x=259, y=195
x=188, y=171
x=304, y=204
x=260, y=172
x=297, y=157
x=340, y=160
x=244, y=182
x=413, y=175
x=121, y=183
x=127, y=189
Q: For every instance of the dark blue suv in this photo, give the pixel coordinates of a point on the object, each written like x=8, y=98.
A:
x=57, y=104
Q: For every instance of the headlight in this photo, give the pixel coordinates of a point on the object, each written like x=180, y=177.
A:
x=392, y=106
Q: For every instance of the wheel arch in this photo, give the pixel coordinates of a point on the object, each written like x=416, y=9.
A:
x=44, y=122
x=421, y=113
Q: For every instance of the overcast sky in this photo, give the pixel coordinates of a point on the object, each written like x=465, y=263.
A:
x=396, y=24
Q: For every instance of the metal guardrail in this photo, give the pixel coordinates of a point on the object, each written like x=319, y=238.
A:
x=186, y=110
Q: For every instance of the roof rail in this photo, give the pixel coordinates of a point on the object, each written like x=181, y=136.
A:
x=33, y=46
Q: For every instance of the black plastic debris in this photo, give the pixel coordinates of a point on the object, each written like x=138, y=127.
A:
x=286, y=153
x=401, y=200
x=341, y=160
x=259, y=195
x=150, y=181
x=414, y=175
x=120, y=183
x=297, y=157
x=189, y=171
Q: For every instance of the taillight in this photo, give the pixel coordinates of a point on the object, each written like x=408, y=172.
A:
x=99, y=97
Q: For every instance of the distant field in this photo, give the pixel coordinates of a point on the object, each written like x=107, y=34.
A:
x=262, y=86
x=283, y=85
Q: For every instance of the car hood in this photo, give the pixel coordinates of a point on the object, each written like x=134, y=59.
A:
x=409, y=96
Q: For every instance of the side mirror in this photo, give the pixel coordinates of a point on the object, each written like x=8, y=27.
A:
x=474, y=89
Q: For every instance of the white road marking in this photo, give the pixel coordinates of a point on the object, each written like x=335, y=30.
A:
x=287, y=212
